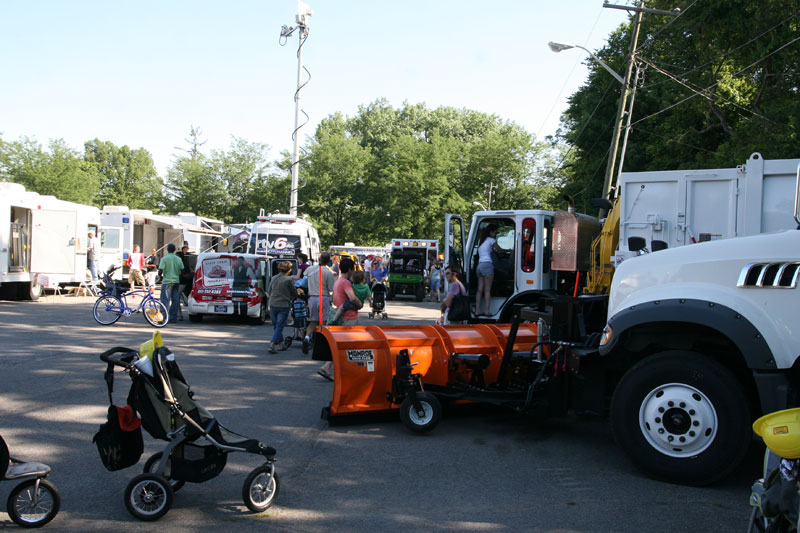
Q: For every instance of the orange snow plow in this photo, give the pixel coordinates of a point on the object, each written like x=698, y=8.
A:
x=415, y=368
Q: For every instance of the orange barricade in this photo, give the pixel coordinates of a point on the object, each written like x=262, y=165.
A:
x=364, y=357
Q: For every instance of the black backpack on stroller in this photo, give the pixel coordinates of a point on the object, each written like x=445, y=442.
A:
x=198, y=444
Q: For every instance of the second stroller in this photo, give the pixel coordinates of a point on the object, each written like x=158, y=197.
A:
x=198, y=445
x=378, y=301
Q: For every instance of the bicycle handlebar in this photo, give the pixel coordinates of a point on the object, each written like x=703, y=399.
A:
x=125, y=360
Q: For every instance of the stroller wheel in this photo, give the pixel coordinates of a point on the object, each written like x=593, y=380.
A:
x=151, y=465
x=371, y=315
x=27, y=508
x=260, y=489
x=148, y=497
x=385, y=316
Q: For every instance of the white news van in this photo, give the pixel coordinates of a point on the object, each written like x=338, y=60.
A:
x=277, y=235
x=42, y=241
x=123, y=227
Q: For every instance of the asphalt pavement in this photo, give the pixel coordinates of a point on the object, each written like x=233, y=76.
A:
x=481, y=469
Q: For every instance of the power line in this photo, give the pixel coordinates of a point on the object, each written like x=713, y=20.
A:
x=729, y=52
x=704, y=92
x=718, y=82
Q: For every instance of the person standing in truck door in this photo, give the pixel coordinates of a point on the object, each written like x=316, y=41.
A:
x=485, y=270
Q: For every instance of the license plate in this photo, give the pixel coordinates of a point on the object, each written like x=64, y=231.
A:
x=220, y=308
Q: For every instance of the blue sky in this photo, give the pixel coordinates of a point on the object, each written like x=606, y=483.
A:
x=143, y=72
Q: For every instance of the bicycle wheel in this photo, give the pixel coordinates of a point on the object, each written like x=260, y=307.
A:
x=107, y=310
x=155, y=312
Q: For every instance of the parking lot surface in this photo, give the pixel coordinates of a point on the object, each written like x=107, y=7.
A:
x=481, y=469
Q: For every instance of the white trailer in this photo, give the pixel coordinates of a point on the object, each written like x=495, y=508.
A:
x=42, y=241
x=123, y=227
x=203, y=242
x=679, y=207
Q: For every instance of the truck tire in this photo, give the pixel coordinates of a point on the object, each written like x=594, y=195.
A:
x=681, y=417
x=419, y=293
x=29, y=291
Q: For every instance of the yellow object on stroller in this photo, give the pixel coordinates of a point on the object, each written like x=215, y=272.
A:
x=198, y=443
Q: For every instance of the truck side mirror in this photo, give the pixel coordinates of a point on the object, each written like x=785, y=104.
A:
x=602, y=203
x=636, y=244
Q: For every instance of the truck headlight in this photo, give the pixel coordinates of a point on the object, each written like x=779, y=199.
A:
x=607, y=334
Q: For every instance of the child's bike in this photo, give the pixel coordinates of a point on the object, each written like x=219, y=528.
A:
x=109, y=308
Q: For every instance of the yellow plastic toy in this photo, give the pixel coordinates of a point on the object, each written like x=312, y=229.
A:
x=147, y=348
x=781, y=432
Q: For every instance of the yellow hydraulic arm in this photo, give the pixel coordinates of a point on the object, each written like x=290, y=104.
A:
x=603, y=248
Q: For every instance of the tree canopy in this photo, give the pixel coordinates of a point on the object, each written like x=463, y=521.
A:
x=720, y=81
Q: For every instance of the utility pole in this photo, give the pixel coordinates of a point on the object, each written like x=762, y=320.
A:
x=627, y=88
x=303, y=14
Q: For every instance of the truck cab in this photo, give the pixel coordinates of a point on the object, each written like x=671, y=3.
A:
x=530, y=240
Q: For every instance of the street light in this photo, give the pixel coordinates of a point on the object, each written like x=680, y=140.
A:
x=626, y=92
x=478, y=204
x=560, y=47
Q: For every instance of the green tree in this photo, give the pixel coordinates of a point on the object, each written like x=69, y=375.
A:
x=230, y=185
x=391, y=172
x=58, y=171
x=720, y=82
x=129, y=176
x=333, y=192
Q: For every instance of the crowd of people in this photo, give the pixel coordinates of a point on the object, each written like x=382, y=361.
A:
x=335, y=289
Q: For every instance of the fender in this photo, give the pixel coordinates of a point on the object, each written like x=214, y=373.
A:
x=728, y=322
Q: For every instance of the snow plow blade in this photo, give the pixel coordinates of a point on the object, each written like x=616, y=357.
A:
x=364, y=358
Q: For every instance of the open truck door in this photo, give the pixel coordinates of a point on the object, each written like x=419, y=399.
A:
x=453, y=244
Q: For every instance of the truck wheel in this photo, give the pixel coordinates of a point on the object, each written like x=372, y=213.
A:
x=431, y=408
x=419, y=293
x=681, y=417
x=29, y=291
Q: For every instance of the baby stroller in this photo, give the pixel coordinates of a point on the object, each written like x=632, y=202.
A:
x=109, y=284
x=378, y=301
x=198, y=443
x=34, y=502
x=299, y=317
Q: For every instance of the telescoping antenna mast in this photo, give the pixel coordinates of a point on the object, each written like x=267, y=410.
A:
x=304, y=12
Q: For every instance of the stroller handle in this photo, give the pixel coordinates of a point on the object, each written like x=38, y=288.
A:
x=109, y=356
